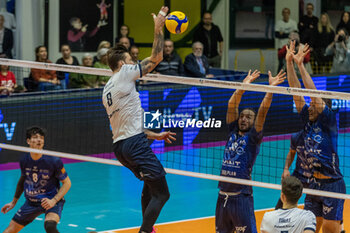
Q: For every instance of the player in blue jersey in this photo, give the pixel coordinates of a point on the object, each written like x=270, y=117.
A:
x=235, y=208
x=302, y=166
x=40, y=180
x=320, y=146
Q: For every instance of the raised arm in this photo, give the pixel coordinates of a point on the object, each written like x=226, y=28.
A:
x=235, y=100
x=19, y=190
x=307, y=80
x=49, y=203
x=149, y=63
x=266, y=103
x=292, y=77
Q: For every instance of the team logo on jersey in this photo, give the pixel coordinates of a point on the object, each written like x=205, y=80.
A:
x=327, y=210
x=241, y=229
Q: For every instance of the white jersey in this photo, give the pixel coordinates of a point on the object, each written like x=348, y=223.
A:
x=293, y=220
x=123, y=104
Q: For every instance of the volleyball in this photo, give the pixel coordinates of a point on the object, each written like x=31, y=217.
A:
x=176, y=22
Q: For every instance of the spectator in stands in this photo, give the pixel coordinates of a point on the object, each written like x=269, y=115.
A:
x=124, y=32
x=324, y=35
x=84, y=80
x=103, y=44
x=126, y=42
x=307, y=24
x=7, y=81
x=344, y=22
x=283, y=51
x=210, y=36
x=282, y=30
x=134, y=53
x=340, y=48
x=284, y=27
x=66, y=59
x=77, y=35
x=102, y=64
x=47, y=79
x=6, y=39
x=196, y=64
x=171, y=63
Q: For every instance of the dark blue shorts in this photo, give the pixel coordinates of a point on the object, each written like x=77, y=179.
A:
x=29, y=211
x=326, y=207
x=236, y=216
x=135, y=154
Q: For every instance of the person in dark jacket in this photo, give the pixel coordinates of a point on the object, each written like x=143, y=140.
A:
x=6, y=40
x=171, y=63
x=196, y=64
x=210, y=36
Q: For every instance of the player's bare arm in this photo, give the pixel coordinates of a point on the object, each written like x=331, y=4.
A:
x=288, y=163
x=292, y=77
x=49, y=203
x=307, y=80
x=235, y=100
x=266, y=103
x=19, y=190
x=149, y=63
x=167, y=136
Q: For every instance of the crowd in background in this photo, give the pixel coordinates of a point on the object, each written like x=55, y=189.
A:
x=330, y=51
x=206, y=51
x=330, y=46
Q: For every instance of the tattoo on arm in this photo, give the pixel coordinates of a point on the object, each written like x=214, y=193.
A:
x=147, y=65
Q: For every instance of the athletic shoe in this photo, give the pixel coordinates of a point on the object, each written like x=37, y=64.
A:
x=153, y=230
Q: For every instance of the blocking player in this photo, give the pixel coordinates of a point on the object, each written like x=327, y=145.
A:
x=302, y=166
x=290, y=218
x=240, y=154
x=40, y=180
x=123, y=106
x=320, y=145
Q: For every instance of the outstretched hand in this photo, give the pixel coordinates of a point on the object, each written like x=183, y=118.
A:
x=290, y=51
x=167, y=136
x=278, y=79
x=6, y=208
x=251, y=76
x=159, y=19
x=302, y=52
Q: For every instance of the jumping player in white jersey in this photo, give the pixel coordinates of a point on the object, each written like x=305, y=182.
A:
x=290, y=218
x=123, y=107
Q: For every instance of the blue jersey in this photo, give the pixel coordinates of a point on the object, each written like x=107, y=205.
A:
x=303, y=167
x=320, y=142
x=239, y=157
x=42, y=177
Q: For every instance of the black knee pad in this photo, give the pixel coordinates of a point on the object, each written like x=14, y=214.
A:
x=51, y=226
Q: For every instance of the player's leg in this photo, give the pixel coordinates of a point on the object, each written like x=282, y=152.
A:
x=145, y=197
x=223, y=221
x=159, y=195
x=13, y=227
x=332, y=207
x=52, y=217
x=314, y=204
x=244, y=221
x=50, y=223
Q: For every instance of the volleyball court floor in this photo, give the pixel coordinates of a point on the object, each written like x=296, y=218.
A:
x=106, y=198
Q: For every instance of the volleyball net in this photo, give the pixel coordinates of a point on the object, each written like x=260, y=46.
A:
x=78, y=127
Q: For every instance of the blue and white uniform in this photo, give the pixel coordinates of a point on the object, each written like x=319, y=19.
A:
x=302, y=169
x=320, y=145
x=123, y=107
x=239, y=157
x=42, y=180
